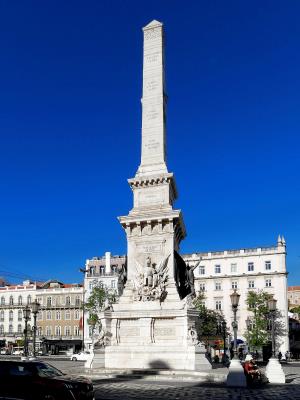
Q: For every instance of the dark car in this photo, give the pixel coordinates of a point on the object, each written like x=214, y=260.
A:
x=33, y=380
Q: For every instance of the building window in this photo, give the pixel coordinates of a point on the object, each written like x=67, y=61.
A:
x=2, y=301
x=202, y=270
x=234, y=285
x=233, y=268
x=11, y=301
x=58, y=315
x=40, y=316
x=2, y=316
x=19, y=328
x=218, y=304
x=250, y=267
x=49, y=301
x=20, y=316
x=67, y=314
x=268, y=265
x=91, y=285
x=11, y=315
x=67, y=330
x=39, y=331
x=49, y=315
x=251, y=284
x=29, y=299
x=218, y=286
x=57, y=331
x=40, y=300
x=10, y=329
x=202, y=287
x=1, y=329
x=68, y=301
x=20, y=301
x=77, y=314
x=76, y=330
x=101, y=285
x=48, y=331
x=77, y=301
x=113, y=284
x=217, y=269
x=268, y=283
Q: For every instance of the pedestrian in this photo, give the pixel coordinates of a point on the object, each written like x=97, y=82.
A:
x=287, y=355
x=279, y=356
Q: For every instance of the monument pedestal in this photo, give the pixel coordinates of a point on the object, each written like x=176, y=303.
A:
x=274, y=371
x=154, y=339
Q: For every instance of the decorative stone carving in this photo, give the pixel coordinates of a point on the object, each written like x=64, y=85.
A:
x=193, y=336
x=150, y=281
x=103, y=339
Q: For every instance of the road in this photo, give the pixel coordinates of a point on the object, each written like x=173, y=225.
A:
x=111, y=389
x=137, y=389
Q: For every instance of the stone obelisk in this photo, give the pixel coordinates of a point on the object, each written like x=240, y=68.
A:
x=152, y=325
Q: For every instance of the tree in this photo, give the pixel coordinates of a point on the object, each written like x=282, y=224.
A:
x=99, y=299
x=259, y=332
x=210, y=320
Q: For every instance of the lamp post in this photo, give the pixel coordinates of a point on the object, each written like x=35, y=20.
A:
x=235, y=298
x=26, y=316
x=248, y=324
x=35, y=306
x=224, y=326
x=274, y=371
x=272, y=309
x=236, y=376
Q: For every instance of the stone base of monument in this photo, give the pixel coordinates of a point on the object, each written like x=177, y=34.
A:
x=274, y=371
x=156, y=338
x=236, y=376
x=153, y=356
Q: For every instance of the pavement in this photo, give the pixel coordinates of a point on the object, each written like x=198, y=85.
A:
x=132, y=386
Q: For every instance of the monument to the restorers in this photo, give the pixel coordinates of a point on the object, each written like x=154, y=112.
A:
x=154, y=323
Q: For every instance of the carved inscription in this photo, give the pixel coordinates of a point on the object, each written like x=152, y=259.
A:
x=164, y=331
x=152, y=144
x=148, y=197
x=152, y=58
x=151, y=85
x=148, y=248
x=152, y=33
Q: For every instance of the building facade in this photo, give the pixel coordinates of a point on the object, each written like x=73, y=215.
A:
x=254, y=269
x=59, y=321
x=13, y=299
x=294, y=296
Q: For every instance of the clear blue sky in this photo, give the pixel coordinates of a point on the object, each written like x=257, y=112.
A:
x=70, y=120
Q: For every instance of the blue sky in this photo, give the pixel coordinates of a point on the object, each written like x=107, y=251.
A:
x=70, y=120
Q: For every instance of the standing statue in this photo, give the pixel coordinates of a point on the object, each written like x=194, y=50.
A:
x=148, y=275
x=122, y=277
x=191, y=277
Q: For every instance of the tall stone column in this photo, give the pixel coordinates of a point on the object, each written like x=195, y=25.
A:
x=153, y=157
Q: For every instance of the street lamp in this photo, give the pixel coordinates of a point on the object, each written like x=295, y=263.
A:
x=274, y=371
x=249, y=325
x=92, y=322
x=35, y=307
x=236, y=376
x=224, y=326
x=26, y=316
x=272, y=308
x=235, y=298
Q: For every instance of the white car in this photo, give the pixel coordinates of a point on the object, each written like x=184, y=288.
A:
x=82, y=356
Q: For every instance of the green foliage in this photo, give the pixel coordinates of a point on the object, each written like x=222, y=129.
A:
x=96, y=303
x=295, y=310
x=257, y=303
x=210, y=320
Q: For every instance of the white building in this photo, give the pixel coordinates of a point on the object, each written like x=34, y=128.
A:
x=102, y=272
x=218, y=274
x=260, y=268
x=13, y=300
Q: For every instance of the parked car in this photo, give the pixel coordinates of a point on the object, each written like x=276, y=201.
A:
x=33, y=380
x=18, y=351
x=3, y=351
x=82, y=356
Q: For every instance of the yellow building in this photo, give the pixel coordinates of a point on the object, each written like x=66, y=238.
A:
x=59, y=321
